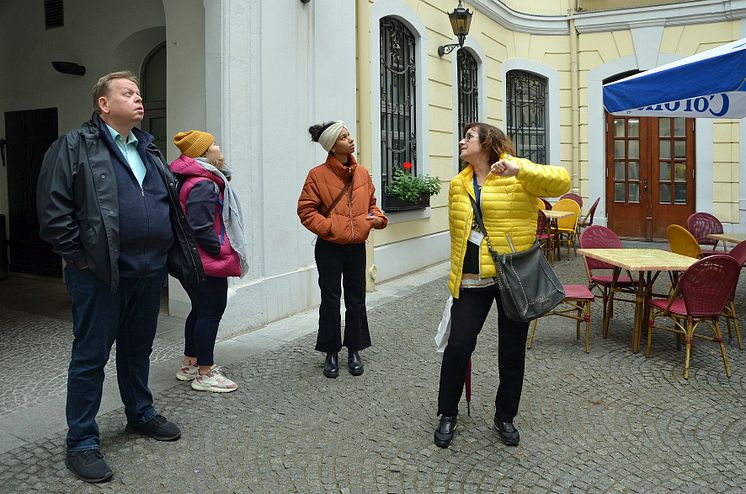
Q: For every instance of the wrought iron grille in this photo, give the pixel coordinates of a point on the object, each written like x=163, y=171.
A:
x=468, y=92
x=526, y=125
x=398, y=100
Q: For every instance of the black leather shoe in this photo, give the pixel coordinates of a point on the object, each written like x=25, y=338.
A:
x=508, y=432
x=354, y=363
x=331, y=365
x=88, y=465
x=158, y=428
x=444, y=432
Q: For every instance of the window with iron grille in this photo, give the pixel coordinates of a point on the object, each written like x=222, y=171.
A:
x=468, y=92
x=398, y=102
x=527, y=116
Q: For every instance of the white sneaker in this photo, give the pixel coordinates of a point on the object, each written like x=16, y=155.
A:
x=187, y=373
x=215, y=381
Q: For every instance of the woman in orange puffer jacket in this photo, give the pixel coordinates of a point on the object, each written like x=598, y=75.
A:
x=338, y=203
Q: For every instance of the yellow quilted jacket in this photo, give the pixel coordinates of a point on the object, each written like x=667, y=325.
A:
x=508, y=206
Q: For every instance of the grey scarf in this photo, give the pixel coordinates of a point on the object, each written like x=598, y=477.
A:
x=232, y=216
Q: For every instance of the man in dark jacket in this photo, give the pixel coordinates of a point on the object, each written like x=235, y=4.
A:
x=108, y=205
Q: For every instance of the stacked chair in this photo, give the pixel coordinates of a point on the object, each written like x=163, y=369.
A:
x=739, y=254
x=567, y=227
x=600, y=274
x=699, y=296
x=576, y=305
x=701, y=224
x=680, y=241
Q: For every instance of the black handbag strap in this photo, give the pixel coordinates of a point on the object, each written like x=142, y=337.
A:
x=348, y=184
x=480, y=223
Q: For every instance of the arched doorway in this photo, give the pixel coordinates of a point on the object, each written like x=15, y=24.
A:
x=153, y=87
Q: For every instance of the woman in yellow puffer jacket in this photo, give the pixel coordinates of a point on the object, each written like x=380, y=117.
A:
x=505, y=188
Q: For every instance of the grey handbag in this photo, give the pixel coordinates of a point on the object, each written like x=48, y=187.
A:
x=528, y=286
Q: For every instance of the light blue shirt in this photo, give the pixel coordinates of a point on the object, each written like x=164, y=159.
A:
x=129, y=151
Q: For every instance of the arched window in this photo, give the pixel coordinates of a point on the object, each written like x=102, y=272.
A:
x=527, y=116
x=398, y=102
x=468, y=91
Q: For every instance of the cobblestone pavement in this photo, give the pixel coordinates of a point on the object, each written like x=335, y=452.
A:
x=607, y=421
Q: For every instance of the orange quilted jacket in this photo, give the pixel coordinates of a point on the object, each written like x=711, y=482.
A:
x=346, y=223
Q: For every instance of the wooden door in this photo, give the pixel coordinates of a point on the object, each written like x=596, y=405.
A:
x=649, y=174
x=29, y=134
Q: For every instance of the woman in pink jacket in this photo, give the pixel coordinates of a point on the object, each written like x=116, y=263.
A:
x=214, y=216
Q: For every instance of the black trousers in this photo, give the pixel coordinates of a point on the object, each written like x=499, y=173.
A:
x=341, y=265
x=468, y=314
x=209, y=299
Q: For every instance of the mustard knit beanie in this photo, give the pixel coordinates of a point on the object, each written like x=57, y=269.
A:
x=193, y=143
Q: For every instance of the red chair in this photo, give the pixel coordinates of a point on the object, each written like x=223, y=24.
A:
x=546, y=238
x=574, y=197
x=600, y=237
x=739, y=254
x=587, y=220
x=704, y=289
x=576, y=305
x=700, y=225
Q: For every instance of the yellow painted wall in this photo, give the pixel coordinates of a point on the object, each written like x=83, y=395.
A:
x=500, y=44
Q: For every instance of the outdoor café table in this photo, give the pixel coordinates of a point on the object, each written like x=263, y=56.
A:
x=734, y=238
x=552, y=217
x=648, y=263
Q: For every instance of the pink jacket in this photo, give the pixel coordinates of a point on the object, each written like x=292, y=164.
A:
x=227, y=263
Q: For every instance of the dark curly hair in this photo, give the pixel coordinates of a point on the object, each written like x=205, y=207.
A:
x=318, y=129
x=492, y=138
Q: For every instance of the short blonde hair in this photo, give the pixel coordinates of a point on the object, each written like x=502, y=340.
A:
x=103, y=86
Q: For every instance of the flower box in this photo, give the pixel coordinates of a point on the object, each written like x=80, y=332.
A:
x=393, y=204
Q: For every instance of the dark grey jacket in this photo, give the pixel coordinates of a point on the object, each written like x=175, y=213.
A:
x=78, y=205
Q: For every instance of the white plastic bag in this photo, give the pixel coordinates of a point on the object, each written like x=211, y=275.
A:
x=444, y=328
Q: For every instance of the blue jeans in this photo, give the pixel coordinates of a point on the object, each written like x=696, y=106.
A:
x=129, y=317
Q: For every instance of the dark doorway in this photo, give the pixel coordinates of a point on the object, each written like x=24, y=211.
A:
x=29, y=134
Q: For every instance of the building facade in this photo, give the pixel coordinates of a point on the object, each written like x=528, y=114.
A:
x=257, y=74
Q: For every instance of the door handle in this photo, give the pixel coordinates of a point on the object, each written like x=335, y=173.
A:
x=644, y=184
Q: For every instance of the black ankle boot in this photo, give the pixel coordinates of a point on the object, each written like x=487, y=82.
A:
x=354, y=363
x=331, y=365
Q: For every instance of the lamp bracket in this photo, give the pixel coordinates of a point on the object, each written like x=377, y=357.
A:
x=446, y=49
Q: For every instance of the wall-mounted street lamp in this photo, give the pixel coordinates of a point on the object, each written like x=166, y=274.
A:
x=460, y=22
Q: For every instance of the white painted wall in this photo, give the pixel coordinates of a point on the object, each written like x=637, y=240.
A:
x=272, y=70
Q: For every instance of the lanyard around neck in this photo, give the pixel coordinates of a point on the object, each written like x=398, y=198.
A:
x=477, y=191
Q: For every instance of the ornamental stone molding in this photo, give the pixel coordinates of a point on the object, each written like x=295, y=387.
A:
x=678, y=14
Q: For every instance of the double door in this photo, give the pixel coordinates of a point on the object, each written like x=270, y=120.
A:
x=650, y=174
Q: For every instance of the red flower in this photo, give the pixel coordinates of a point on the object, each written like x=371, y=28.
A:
x=407, y=165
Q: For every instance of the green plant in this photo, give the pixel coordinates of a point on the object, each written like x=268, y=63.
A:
x=409, y=187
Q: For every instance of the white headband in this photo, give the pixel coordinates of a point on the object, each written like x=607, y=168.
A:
x=330, y=134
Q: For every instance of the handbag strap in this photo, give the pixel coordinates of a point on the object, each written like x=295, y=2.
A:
x=348, y=183
x=480, y=223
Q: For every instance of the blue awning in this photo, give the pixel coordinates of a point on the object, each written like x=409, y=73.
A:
x=711, y=84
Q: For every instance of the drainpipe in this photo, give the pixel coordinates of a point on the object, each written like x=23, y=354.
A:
x=574, y=104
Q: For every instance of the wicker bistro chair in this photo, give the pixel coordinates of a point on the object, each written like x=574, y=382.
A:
x=574, y=197
x=547, y=204
x=546, y=238
x=701, y=224
x=567, y=227
x=576, y=305
x=587, y=220
x=680, y=241
x=700, y=296
x=739, y=254
x=600, y=237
